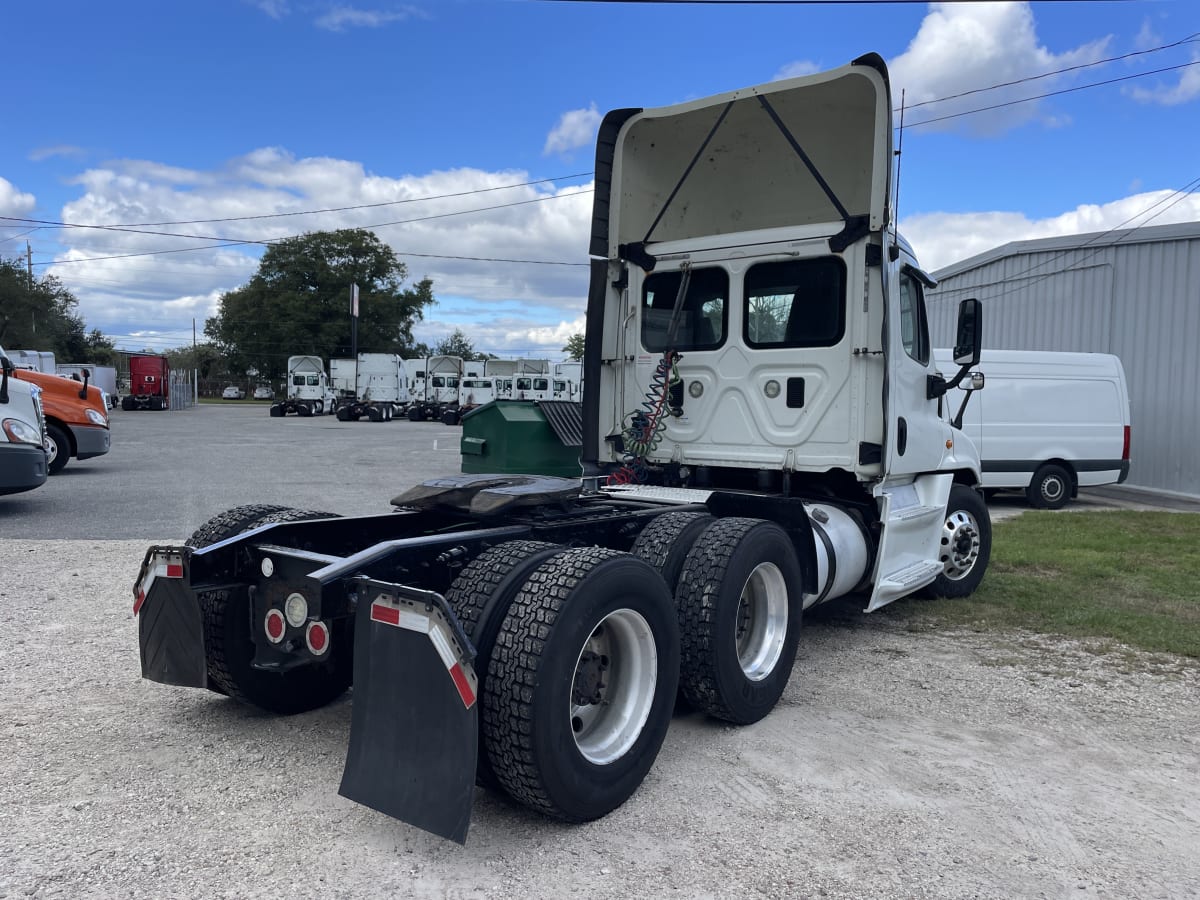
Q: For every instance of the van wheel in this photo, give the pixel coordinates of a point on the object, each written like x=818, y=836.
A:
x=966, y=544
x=58, y=448
x=1050, y=488
x=581, y=683
x=481, y=596
x=739, y=601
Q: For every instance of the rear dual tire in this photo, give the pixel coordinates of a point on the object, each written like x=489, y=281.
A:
x=581, y=683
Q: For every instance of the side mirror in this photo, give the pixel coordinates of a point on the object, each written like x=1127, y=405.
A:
x=83, y=390
x=969, y=343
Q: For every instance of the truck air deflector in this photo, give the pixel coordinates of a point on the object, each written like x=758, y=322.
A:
x=799, y=152
x=413, y=735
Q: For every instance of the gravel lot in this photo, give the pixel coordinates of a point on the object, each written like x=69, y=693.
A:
x=900, y=763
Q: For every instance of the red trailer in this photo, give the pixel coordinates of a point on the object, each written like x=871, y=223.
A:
x=149, y=377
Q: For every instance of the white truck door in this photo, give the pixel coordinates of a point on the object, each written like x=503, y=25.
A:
x=913, y=495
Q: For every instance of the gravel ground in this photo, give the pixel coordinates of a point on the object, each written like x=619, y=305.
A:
x=899, y=764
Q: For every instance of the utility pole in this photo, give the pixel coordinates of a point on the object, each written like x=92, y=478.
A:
x=29, y=261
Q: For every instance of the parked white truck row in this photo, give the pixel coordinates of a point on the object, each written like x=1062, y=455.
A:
x=381, y=386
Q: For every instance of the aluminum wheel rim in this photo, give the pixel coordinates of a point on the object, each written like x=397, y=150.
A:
x=762, y=620
x=51, y=446
x=613, y=686
x=960, y=545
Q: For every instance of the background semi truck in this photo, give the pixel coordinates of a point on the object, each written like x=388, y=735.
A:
x=23, y=458
x=309, y=392
x=762, y=431
x=75, y=415
x=149, y=383
x=381, y=389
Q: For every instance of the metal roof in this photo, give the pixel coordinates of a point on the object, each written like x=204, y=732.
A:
x=1179, y=232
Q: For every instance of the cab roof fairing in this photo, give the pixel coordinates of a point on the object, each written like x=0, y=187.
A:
x=802, y=151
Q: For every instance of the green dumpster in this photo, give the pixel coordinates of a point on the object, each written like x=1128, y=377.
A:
x=526, y=437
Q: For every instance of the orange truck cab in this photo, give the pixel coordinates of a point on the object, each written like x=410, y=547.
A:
x=76, y=418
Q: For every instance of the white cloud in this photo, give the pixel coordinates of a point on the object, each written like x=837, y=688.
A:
x=14, y=202
x=514, y=305
x=967, y=46
x=276, y=9
x=796, y=69
x=66, y=150
x=941, y=239
x=340, y=18
x=575, y=129
x=1184, y=91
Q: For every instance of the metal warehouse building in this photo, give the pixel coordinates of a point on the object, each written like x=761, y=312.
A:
x=1133, y=293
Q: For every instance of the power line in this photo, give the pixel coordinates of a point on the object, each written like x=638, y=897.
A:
x=311, y=212
x=1070, y=90
x=1190, y=39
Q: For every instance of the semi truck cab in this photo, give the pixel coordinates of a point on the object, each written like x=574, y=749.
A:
x=23, y=458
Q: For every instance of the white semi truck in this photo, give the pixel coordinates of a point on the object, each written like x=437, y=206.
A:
x=309, y=392
x=761, y=433
x=24, y=461
x=381, y=389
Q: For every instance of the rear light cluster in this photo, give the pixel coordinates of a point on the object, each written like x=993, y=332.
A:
x=1125, y=450
x=294, y=616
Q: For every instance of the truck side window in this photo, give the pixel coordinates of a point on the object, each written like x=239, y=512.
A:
x=314, y=380
x=298, y=380
x=914, y=329
x=797, y=303
x=703, y=318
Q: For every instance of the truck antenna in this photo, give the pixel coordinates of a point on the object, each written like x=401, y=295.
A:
x=899, y=157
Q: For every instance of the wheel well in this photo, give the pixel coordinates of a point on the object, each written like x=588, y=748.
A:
x=65, y=429
x=966, y=477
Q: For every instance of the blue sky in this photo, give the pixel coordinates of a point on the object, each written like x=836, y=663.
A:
x=148, y=112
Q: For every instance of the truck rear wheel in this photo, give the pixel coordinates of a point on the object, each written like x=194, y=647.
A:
x=581, y=683
x=1050, y=488
x=416, y=414
x=228, y=644
x=58, y=448
x=740, y=603
x=966, y=544
x=303, y=410
x=127, y=404
x=481, y=596
x=666, y=541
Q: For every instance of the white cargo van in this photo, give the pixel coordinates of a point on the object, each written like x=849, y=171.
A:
x=1048, y=423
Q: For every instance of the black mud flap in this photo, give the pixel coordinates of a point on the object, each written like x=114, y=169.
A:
x=170, y=634
x=415, y=722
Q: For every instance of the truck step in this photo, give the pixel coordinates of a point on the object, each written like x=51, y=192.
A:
x=661, y=494
x=912, y=513
x=911, y=576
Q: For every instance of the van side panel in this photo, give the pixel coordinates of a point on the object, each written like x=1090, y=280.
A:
x=1069, y=409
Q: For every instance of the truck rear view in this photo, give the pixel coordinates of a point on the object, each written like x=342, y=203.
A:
x=761, y=433
x=149, y=384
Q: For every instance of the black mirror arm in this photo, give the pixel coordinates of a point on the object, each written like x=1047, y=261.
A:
x=936, y=385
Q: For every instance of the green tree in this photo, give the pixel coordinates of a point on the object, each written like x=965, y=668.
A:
x=298, y=302
x=455, y=345
x=574, y=347
x=204, y=358
x=39, y=314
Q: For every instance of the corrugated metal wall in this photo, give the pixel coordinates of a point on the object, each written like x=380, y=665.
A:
x=1137, y=299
